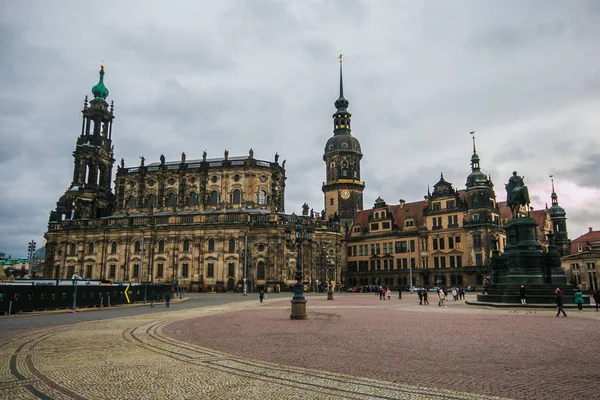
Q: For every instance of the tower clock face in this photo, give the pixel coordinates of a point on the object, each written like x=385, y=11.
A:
x=345, y=194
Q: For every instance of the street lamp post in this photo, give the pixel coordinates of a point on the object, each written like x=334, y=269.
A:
x=329, y=286
x=410, y=269
x=245, y=263
x=298, y=301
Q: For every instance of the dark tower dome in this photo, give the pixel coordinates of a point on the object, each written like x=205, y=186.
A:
x=342, y=139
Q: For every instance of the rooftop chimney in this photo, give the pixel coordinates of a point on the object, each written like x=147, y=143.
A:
x=590, y=229
x=402, y=202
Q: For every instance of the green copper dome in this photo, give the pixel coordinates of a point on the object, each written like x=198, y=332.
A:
x=100, y=91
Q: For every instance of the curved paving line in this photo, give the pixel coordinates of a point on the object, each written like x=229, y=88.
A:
x=14, y=370
x=272, y=373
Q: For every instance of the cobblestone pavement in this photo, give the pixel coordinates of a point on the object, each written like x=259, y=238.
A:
x=355, y=347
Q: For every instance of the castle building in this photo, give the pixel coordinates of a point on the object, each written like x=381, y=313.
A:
x=343, y=189
x=447, y=239
x=209, y=222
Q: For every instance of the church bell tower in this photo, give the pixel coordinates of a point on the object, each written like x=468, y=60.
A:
x=90, y=195
x=343, y=188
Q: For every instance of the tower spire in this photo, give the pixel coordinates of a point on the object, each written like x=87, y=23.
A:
x=474, y=157
x=341, y=80
x=554, y=196
x=341, y=103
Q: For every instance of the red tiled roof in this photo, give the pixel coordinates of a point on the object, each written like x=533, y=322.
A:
x=414, y=209
x=583, y=240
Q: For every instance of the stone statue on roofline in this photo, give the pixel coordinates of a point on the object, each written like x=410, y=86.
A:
x=162, y=159
x=305, y=209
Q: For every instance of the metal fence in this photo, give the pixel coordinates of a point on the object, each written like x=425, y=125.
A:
x=22, y=298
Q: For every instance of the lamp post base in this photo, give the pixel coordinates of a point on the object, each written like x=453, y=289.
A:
x=330, y=294
x=298, y=309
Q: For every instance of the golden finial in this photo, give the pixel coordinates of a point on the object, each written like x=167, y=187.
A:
x=340, y=57
x=102, y=65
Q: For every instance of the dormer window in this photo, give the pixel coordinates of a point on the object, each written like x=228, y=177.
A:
x=437, y=206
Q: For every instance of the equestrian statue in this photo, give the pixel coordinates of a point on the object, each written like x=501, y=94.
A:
x=517, y=194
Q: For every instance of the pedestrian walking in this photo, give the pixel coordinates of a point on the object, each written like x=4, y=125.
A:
x=400, y=294
x=420, y=294
x=381, y=293
x=559, y=303
x=442, y=295
x=152, y=299
x=597, y=298
x=523, y=294
x=578, y=296
x=168, y=299
x=454, y=294
x=261, y=295
x=425, y=301
x=389, y=293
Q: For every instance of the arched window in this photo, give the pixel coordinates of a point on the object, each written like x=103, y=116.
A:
x=231, y=245
x=113, y=248
x=262, y=197
x=186, y=245
x=211, y=244
x=171, y=200
x=151, y=201
x=236, y=197
x=213, y=199
x=193, y=199
x=131, y=202
x=260, y=270
x=138, y=247
x=161, y=246
x=91, y=248
x=73, y=249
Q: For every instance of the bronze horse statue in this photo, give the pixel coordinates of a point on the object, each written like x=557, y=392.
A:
x=517, y=194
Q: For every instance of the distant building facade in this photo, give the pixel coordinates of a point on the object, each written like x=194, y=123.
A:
x=582, y=266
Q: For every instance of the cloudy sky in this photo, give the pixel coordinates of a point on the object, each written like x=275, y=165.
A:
x=216, y=75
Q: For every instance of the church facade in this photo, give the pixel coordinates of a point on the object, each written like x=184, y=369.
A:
x=210, y=223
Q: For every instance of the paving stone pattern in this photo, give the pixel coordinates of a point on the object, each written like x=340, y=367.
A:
x=354, y=347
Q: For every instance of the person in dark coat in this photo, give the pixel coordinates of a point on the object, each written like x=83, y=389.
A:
x=168, y=299
x=425, y=301
x=152, y=299
x=523, y=294
x=261, y=295
x=559, y=303
x=597, y=298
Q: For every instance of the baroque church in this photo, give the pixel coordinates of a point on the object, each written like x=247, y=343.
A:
x=208, y=223
x=220, y=223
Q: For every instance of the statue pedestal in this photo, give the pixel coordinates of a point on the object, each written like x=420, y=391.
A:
x=298, y=309
x=525, y=263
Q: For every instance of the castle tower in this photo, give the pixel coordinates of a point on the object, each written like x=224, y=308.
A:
x=558, y=216
x=343, y=189
x=483, y=214
x=90, y=195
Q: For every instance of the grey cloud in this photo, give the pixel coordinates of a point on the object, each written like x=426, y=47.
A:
x=263, y=74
